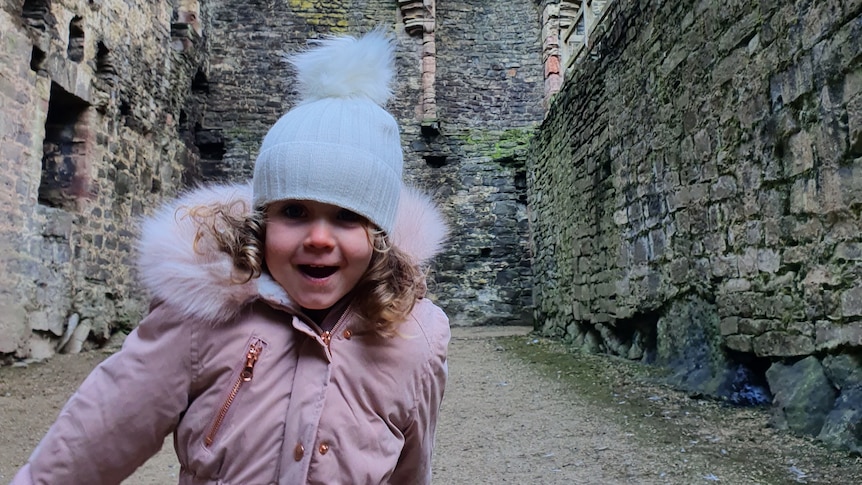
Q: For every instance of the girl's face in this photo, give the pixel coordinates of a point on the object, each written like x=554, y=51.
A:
x=317, y=252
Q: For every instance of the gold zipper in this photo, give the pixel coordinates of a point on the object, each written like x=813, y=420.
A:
x=247, y=373
x=326, y=335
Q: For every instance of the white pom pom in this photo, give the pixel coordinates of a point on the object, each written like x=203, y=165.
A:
x=346, y=67
x=420, y=230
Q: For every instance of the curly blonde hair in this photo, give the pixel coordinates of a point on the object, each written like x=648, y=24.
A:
x=386, y=293
x=235, y=230
x=384, y=296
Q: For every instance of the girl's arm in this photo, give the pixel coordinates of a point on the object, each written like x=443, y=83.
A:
x=414, y=464
x=122, y=412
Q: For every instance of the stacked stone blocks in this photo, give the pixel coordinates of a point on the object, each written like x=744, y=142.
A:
x=714, y=166
x=89, y=141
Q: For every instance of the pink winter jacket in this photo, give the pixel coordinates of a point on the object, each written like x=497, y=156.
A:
x=252, y=393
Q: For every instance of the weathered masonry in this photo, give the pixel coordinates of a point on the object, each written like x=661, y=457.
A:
x=696, y=200
x=89, y=139
x=108, y=107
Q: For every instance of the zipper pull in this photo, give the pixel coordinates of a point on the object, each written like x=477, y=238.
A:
x=326, y=335
x=251, y=359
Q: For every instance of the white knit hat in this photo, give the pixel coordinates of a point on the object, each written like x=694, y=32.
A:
x=338, y=145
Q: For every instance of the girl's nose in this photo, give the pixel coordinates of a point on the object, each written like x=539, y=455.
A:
x=320, y=234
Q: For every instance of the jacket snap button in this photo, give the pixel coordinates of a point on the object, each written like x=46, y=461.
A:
x=324, y=447
x=347, y=334
x=298, y=452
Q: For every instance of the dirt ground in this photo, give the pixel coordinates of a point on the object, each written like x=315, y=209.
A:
x=522, y=410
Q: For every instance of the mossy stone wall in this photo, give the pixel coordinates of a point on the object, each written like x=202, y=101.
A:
x=698, y=184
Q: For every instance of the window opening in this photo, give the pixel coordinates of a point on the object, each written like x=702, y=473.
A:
x=105, y=68
x=37, y=59
x=577, y=25
x=64, y=151
x=435, y=161
x=75, y=50
x=210, y=143
x=200, y=84
x=211, y=146
x=37, y=14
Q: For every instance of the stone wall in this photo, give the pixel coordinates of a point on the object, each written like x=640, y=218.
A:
x=109, y=107
x=488, y=92
x=471, y=159
x=88, y=140
x=695, y=197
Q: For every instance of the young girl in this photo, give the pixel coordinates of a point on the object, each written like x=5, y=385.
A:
x=288, y=340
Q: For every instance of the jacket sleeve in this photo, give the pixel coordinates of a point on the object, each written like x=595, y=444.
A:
x=122, y=412
x=414, y=464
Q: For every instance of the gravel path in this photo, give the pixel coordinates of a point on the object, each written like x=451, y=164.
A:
x=509, y=417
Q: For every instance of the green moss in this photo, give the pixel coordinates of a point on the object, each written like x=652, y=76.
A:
x=511, y=142
x=502, y=146
x=585, y=373
x=318, y=13
x=303, y=5
x=239, y=133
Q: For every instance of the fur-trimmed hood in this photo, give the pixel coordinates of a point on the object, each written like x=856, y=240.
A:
x=198, y=282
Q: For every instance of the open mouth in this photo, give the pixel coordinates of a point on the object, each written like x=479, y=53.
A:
x=315, y=271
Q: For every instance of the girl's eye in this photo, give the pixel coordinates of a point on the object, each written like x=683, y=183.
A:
x=293, y=211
